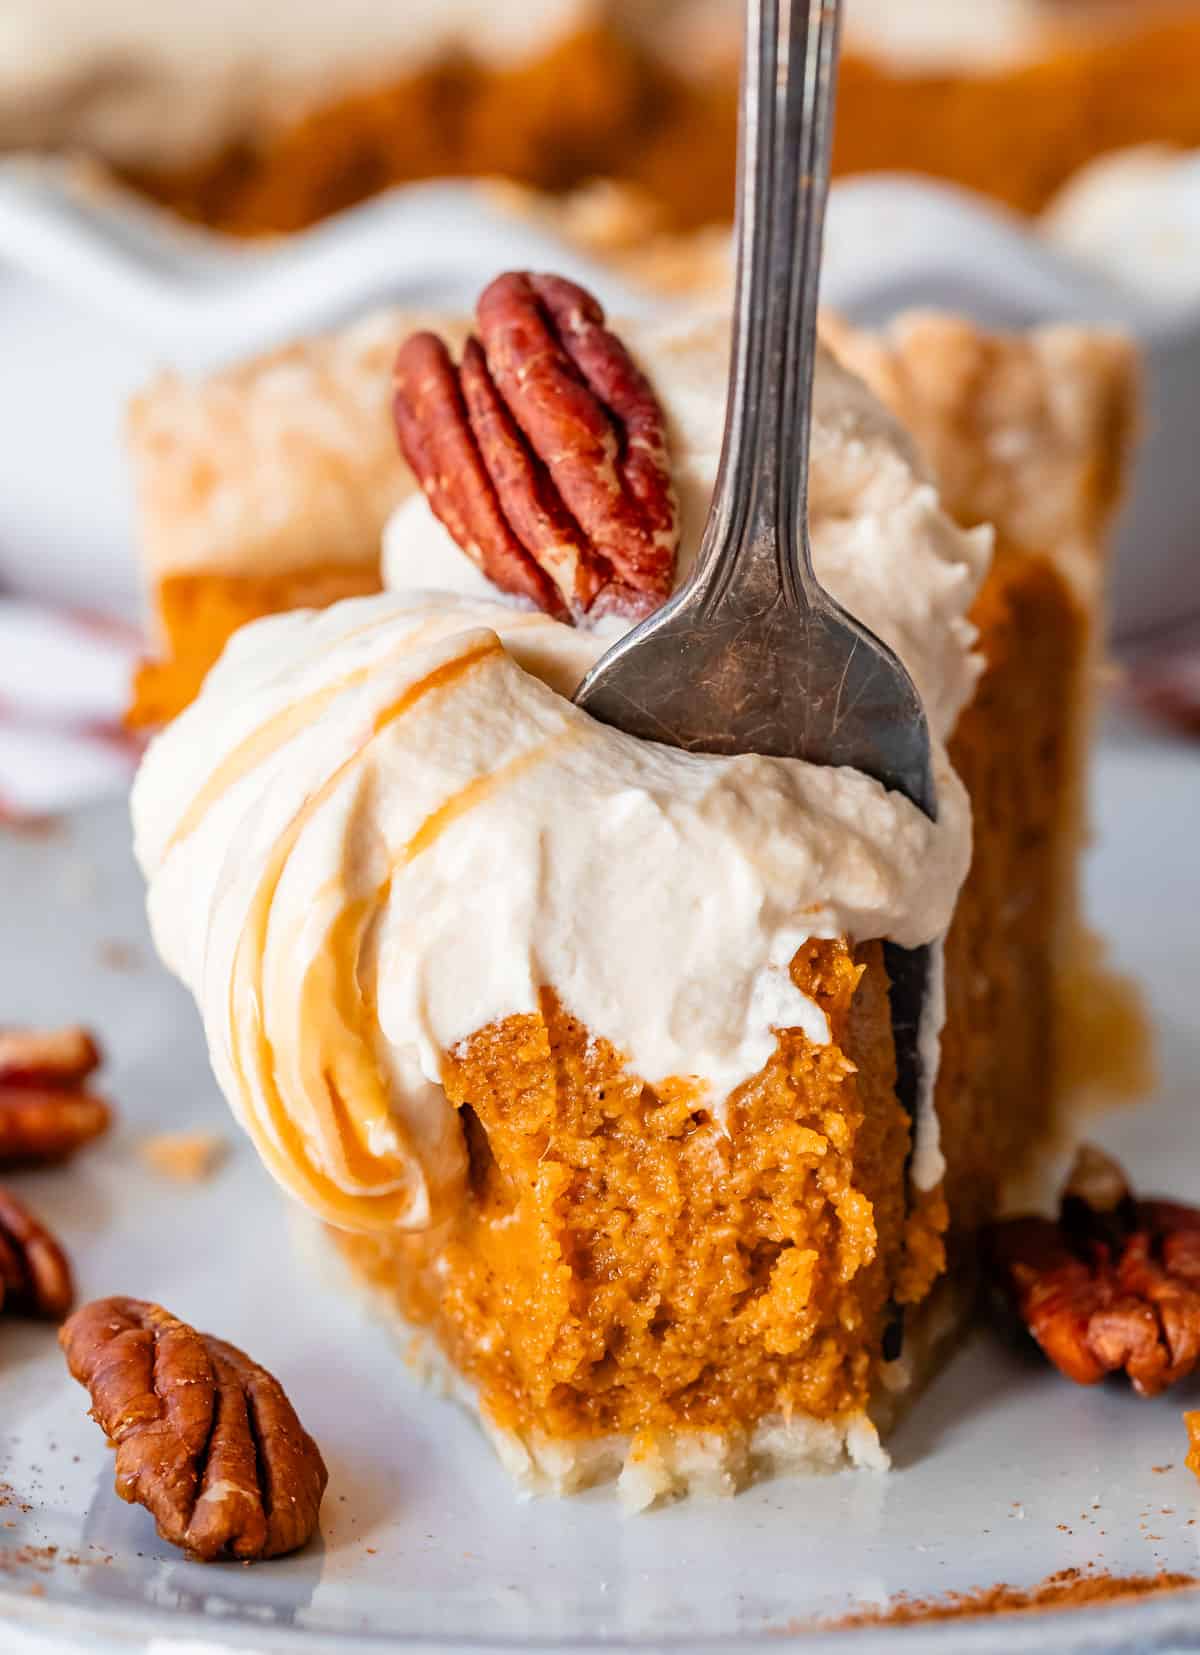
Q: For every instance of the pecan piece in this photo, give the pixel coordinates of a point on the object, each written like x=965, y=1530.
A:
x=206, y=1439
x=45, y=1112
x=1112, y=1286
x=35, y=1277
x=545, y=451
x=1191, y=1422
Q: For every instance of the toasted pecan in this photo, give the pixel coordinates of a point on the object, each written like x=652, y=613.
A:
x=544, y=452
x=539, y=520
x=35, y=1276
x=438, y=443
x=206, y=1439
x=45, y=1112
x=41, y=1056
x=592, y=418
x=1112, y=1285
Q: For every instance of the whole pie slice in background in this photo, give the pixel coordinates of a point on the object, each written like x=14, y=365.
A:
x=258, y=119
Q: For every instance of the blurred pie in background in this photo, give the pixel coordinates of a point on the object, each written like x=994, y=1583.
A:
x=268, y=117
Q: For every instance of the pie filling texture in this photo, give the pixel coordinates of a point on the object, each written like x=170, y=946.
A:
x=625, y=1267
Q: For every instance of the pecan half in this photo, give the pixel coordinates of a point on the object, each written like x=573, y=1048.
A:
x=1113, y=1285
x=206, y=1439
x=35, y=1277
x=45, y=1112
x=544, y=452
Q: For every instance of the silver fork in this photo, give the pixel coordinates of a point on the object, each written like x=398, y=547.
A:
x=752, y=655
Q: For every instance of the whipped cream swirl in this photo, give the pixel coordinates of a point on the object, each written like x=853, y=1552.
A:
x=384, y=827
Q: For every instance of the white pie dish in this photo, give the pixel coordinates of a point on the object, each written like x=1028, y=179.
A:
x=97, y=292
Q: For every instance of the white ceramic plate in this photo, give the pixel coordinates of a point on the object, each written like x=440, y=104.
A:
x=1003, y=1471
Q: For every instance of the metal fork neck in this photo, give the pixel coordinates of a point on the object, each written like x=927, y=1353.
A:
x=761, y=494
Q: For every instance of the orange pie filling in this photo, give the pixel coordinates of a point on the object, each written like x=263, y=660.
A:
x=623, y=1263
x=196, y=613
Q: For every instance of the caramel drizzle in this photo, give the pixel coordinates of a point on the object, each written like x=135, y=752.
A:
x=262, y=743
x=339, y=1025
x=340, y=1051
x=265, y=741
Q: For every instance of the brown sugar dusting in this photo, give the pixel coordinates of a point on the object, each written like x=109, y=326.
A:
x=1065, y=1589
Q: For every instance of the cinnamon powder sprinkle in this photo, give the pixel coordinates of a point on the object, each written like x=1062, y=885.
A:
x=1067, y=1589
x=14, y=1558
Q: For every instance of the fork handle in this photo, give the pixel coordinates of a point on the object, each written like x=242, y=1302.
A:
x=760, y=503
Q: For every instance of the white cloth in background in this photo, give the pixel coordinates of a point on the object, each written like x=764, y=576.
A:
x=64, y=687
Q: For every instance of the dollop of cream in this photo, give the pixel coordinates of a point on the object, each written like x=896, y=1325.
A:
x=1134, y=217
x=384, y=826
